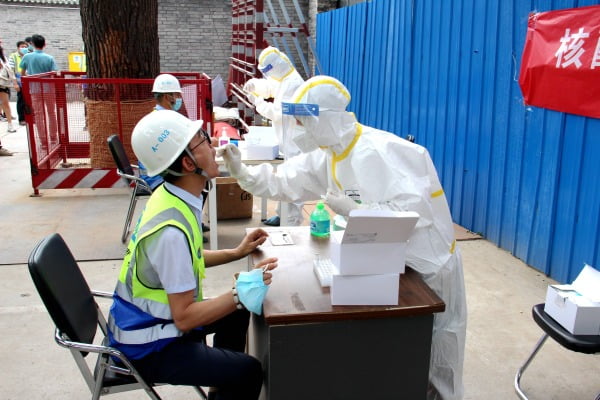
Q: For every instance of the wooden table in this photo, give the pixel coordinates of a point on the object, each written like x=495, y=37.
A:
x=313, y=350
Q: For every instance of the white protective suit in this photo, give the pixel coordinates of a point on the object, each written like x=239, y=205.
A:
x=385, y=172
x=281, y=81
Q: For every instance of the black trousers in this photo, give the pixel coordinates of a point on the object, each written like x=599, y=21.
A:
x=189, y=361
x=20, y=105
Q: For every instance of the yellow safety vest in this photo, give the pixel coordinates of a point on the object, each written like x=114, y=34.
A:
x=162, y=209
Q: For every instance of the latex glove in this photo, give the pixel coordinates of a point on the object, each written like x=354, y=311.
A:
x=340, y=203
x=258, y=88
x=249, y=86
x=232, y=158
x=254, y=98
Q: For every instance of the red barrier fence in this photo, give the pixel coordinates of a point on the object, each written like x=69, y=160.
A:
x=69, y=117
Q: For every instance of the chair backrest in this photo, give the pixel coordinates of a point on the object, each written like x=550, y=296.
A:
x=63, y=289
x=118, y=152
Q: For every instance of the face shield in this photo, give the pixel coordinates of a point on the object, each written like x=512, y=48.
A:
x=298, y=118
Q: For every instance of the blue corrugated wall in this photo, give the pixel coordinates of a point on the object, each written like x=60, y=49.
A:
x=446, y=72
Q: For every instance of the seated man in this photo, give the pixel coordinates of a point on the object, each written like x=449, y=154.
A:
x=159, y=317
x=354, y=166
x=167, y=94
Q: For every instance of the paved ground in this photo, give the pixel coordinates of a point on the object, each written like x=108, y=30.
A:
x=500, y=293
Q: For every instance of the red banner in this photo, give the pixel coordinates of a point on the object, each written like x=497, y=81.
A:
x=560, y=68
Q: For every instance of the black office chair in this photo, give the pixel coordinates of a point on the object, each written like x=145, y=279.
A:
x=588, y=344
x=72, y=307
x=127, y=171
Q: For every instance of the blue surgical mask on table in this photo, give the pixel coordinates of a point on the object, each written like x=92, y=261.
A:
x=251, y=290
x=177, y=105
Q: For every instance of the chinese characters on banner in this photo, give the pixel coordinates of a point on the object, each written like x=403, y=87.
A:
x=560, y=68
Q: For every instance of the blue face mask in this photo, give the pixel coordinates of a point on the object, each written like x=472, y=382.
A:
x=24, y=50
x=30, y=48
x=177, y=104
x=251, y=290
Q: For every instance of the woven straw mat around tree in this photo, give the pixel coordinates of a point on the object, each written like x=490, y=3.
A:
x=102, y=121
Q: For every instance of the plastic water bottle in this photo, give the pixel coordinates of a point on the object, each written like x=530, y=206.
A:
x=320, y=221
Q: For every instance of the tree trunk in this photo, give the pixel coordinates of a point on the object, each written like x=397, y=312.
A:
x=121, y=41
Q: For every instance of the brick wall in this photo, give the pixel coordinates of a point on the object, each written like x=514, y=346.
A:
x=194, y=35
x=60, y=26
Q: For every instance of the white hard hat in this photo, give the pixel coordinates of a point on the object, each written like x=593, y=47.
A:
x=274, y=64
x=160, y=137
x=166, y=83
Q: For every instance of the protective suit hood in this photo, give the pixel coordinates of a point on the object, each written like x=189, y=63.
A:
x=275, y=64
x=333, y=127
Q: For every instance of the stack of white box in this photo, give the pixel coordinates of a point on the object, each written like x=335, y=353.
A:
x=369, y=256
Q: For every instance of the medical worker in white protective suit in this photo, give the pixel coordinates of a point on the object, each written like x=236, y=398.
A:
x=280, y=82
x=347, y=161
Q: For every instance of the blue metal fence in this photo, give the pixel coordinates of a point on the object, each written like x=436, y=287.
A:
x=446, y=72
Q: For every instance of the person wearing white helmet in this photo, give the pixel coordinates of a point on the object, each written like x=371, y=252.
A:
x=167, y=92
x=159, y=317
x=354, y=166
x=280, y=82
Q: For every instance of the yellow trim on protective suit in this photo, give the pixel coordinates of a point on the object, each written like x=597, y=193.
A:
x=264, y=54
x=437, y=193
x=322, y=81
x=339, y=157
x=453, y=247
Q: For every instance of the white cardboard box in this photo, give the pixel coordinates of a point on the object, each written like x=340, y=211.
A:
x=577, y=306
x=261, y=143
x=374, y=242
x=365, y=289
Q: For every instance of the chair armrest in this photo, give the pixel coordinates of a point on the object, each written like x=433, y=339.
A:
x=100, y=293
x=63, y=341
x=136, y=179
x=127, y=176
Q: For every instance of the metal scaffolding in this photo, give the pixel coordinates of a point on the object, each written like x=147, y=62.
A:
x=253, y=29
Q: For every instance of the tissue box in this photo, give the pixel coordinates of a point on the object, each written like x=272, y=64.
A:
x=576, y=307
x=374, y=242
x=262, y=151
x=261, y=143
x=365, y=289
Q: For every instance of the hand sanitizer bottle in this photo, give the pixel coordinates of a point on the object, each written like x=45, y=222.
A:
x=223, y=139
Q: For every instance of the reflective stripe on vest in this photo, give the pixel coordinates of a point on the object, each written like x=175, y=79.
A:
x=162, y=209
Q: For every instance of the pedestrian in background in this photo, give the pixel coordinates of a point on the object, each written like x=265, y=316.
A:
x=14, y=60
x=29, y=44
x=7, y=80
x=40, y=62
